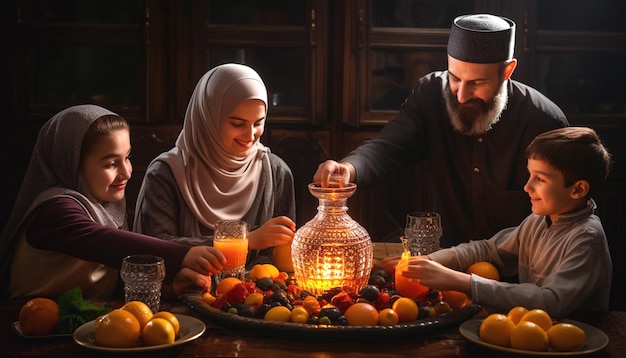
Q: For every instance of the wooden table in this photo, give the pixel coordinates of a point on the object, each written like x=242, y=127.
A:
x=220, y=342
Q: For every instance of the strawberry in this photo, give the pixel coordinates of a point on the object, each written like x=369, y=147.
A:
x=282, y=276
x=383, y=301
x=342, y=301
x=250, y=286
x=237, y=294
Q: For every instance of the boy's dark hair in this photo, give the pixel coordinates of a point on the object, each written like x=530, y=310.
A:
x=577, y=152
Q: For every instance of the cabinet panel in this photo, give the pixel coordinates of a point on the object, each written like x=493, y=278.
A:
x=259, y=12
x=102, y=52
x=418, y=14
x=284, y=83
x=394, y=73
x=148, y=141
x=395, y=42
x=85, y=11
x=581, y=15
x=575, y=56
x=579, y=82
x=303, y=151
x=50, y=84
x=285, y=41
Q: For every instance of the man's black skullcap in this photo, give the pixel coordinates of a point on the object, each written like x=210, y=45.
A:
x=482, y=38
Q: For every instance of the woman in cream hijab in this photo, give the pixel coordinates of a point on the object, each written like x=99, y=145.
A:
x=219, y=170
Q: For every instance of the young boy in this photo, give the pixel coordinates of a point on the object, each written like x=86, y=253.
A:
x=559, y=252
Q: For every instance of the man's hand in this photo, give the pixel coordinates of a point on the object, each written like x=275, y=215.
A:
x=330, y=170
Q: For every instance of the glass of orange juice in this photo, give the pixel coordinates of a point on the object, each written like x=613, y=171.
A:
x=231, y=238
x=407, y=286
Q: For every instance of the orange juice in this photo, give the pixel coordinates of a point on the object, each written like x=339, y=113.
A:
x=234, y=249
x=408, y=287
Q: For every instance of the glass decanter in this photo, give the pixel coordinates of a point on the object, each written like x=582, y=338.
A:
x=332, y=250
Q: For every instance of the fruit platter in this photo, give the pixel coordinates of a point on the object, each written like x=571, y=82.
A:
x=276, y=307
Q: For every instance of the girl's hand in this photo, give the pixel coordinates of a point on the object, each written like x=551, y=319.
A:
x=204, y=260
x=186, y=278
x=275, y=232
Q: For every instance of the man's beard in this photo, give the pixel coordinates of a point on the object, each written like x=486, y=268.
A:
x=475, y=116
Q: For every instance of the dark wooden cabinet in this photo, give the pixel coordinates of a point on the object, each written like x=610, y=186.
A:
x=336, y=72
x=285, y=41
x=101, y=52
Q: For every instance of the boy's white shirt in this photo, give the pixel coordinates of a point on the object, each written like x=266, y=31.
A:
x=562, y=267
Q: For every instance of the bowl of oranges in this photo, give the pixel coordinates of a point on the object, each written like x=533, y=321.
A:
x=133, y=327
x=533, y=332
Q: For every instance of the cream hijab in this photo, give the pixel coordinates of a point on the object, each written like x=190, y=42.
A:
x=214, y=183
x=53, y=171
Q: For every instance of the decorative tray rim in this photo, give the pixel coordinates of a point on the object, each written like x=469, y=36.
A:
x=260, y=327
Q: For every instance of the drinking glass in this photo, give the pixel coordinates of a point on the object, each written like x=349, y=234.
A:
x=423, y=231
x=142, y=276
x=231, y=238
x=408, y=287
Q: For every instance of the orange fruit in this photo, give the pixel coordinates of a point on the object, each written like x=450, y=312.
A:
x=299, y=314
x=158, y=331
x=117, y=329
x=455, y=299
x=565, y=337
x=529, y=336
x=496, y=329
x=406, y=309
x=273, y=270
x=538, y=316
x=408, y=287
x=278, y=314
x=140, y=310
x=361, y=314
x=39, y=316
x=226, y=284
x=255, y=299
x=170, y=317
x=484, y=269
x=259, y=271
x=208, y=298
x=388, y=317
x=281, y=256
x=516, y=313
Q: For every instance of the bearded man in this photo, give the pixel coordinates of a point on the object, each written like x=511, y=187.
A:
x=470, y=125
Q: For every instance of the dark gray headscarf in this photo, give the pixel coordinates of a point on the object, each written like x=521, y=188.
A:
x=53, y=171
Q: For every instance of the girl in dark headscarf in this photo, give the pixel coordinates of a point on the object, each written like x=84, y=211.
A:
x=68, y=225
